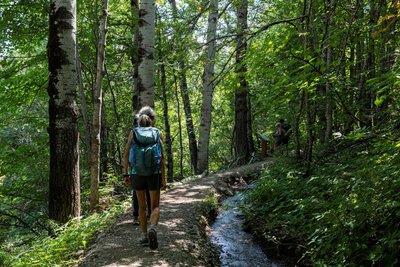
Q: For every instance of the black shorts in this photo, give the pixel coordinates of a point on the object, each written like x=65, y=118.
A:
x=152, y=182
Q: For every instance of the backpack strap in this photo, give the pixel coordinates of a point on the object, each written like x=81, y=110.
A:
x=135, y=138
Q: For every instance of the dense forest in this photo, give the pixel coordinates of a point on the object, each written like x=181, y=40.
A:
x=219, y=73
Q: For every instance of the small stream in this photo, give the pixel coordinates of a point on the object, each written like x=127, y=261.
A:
x=237, y=248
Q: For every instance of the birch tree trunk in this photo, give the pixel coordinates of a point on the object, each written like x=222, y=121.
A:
x=64, y=186
x=145, y=80
x=97, y=110
x=185, y=93
x=242, y=148
x=208, y=89
x=135, y=54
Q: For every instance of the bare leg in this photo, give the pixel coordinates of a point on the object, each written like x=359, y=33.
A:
x=155, y=215
x=155, y=207
x=141, y=196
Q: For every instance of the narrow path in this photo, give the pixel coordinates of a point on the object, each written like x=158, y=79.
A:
x=181, y=231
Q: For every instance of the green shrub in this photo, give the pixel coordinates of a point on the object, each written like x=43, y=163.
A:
x=344, y=213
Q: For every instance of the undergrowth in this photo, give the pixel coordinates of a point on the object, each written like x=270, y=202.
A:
x=69, y=242
x=343, y=213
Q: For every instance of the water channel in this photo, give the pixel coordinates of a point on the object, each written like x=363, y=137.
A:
x=237, y=248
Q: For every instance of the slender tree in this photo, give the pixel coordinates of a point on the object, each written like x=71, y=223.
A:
x=83, y=106
x=97, y=110
x=208, y=89
x=167, y=126
x=64, y=186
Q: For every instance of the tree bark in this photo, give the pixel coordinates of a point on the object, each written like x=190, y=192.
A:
x=208, y=89
x=145, y=81
x=178, y=111
x=97, y=110
x=64, y=186
x=134, y=53
x=242, y=148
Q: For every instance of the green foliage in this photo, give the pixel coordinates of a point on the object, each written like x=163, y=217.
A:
x=280, y=68
x=344, y=213
x=209, y=206
x=71, y=238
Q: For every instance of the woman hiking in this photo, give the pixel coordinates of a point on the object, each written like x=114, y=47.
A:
x=148, y=164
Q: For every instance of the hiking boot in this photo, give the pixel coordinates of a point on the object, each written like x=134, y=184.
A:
x=153, y=244
x=144, y=241
x=135, y=220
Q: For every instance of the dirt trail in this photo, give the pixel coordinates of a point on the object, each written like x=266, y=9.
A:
x=181, y=231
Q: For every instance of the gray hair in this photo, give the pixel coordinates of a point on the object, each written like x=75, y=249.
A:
x=147, y=116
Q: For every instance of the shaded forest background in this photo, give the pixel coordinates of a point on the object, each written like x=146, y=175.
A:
x=330, y=68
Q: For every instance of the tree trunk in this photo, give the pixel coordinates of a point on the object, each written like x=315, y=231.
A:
x=242, y=148
x=208, y=89
x=329, y=13
x=134, y=53
x=168, y=141
x=188, y=115
x=115, y=147
x=360, y=71
x=103, y=159
x=185, y=94
x=178, y=111
x=97, y=110
x=309, y=129
x=250, y=139
x=84, y=109
x=308, y=105
x=375, y=12
x=64, y=186
x=145, y=80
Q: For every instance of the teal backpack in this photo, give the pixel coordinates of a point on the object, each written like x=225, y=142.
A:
x=145, y=151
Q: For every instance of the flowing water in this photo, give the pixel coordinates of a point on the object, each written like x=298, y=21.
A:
x=237, y=248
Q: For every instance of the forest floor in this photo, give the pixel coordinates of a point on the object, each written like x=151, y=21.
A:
x=182, y=229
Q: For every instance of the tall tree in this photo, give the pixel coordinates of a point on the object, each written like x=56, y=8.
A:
x=145, y=81
x=208, y=89
x=242, y=101
x=97, y=110
x=184, y=88
x=64, y=186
